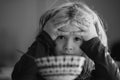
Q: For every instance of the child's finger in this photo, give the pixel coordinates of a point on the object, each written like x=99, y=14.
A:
x=83, y=28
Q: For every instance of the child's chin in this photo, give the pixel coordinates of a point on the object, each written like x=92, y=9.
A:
x=60, y=67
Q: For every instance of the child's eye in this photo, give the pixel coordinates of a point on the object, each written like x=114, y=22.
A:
x=77, y=39
x=61, y=37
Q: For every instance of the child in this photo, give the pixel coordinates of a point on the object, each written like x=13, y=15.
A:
x=70, y=29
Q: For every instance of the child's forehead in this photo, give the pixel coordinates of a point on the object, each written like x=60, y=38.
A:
x=71, y=33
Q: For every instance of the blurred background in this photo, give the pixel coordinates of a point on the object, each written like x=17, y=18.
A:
x=19, y=24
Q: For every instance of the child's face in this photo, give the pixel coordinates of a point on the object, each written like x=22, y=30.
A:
x=68, y=39
x=68, y=43
x=66, y=36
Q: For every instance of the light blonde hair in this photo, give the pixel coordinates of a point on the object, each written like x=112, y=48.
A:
x=70, y=10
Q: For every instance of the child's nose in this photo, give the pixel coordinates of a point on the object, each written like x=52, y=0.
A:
x=68, y=46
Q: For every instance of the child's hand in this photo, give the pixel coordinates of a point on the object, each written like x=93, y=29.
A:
x=88, y=32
